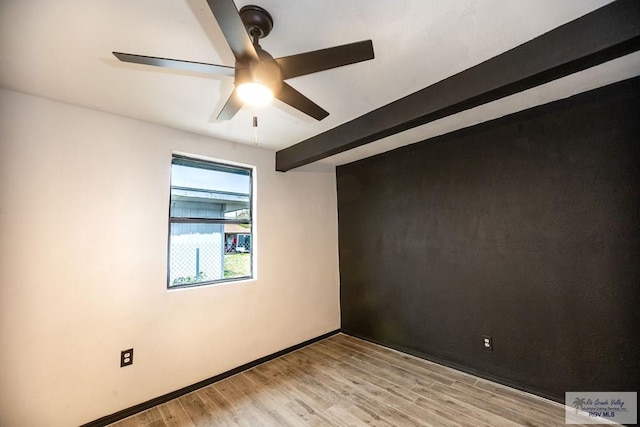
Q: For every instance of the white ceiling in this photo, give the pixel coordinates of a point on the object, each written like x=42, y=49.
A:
x=61, y=49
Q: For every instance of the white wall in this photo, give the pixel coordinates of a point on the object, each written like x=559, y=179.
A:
x=83, y=251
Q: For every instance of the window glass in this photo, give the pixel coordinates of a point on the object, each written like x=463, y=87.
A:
x=210, y=220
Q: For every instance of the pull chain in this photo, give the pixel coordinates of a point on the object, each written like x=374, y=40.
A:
x=255, y=128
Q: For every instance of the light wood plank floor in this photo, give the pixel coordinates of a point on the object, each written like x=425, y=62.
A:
x=344, y=381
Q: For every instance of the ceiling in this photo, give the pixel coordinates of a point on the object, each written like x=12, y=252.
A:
x=61, y=49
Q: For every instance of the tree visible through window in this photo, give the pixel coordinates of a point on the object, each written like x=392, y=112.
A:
x=210, y=237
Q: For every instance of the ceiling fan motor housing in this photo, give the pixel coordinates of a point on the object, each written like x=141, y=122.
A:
x=264, y=71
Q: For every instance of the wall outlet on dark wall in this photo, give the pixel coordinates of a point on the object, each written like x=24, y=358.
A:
x=487, y=342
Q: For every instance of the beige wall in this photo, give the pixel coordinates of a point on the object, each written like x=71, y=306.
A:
x=83, y=249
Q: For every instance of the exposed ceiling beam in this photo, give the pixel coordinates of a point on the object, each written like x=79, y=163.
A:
x=602, y=35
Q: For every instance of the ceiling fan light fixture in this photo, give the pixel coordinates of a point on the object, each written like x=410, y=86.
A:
x=255, y=94
x=258, y=76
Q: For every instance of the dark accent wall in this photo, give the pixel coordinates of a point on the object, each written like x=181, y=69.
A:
x=525, y=228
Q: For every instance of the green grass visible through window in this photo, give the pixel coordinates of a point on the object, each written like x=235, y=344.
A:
x=237, y=265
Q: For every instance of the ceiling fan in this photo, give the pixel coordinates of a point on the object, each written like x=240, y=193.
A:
x=258, y=76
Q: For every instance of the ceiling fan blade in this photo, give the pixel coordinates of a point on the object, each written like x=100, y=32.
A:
x=325, y=59
x=290, y=96
x=231, y=107
x=178, y=64
x=233, y=29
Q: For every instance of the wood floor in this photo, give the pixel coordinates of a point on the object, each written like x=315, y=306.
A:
x=344, y=381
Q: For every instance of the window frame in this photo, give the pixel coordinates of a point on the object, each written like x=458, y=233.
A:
x=220, y=166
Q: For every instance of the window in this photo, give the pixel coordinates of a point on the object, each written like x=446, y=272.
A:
x=210, y=217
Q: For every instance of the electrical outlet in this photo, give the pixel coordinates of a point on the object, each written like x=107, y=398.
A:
x=487, y=342
x=126, y=357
